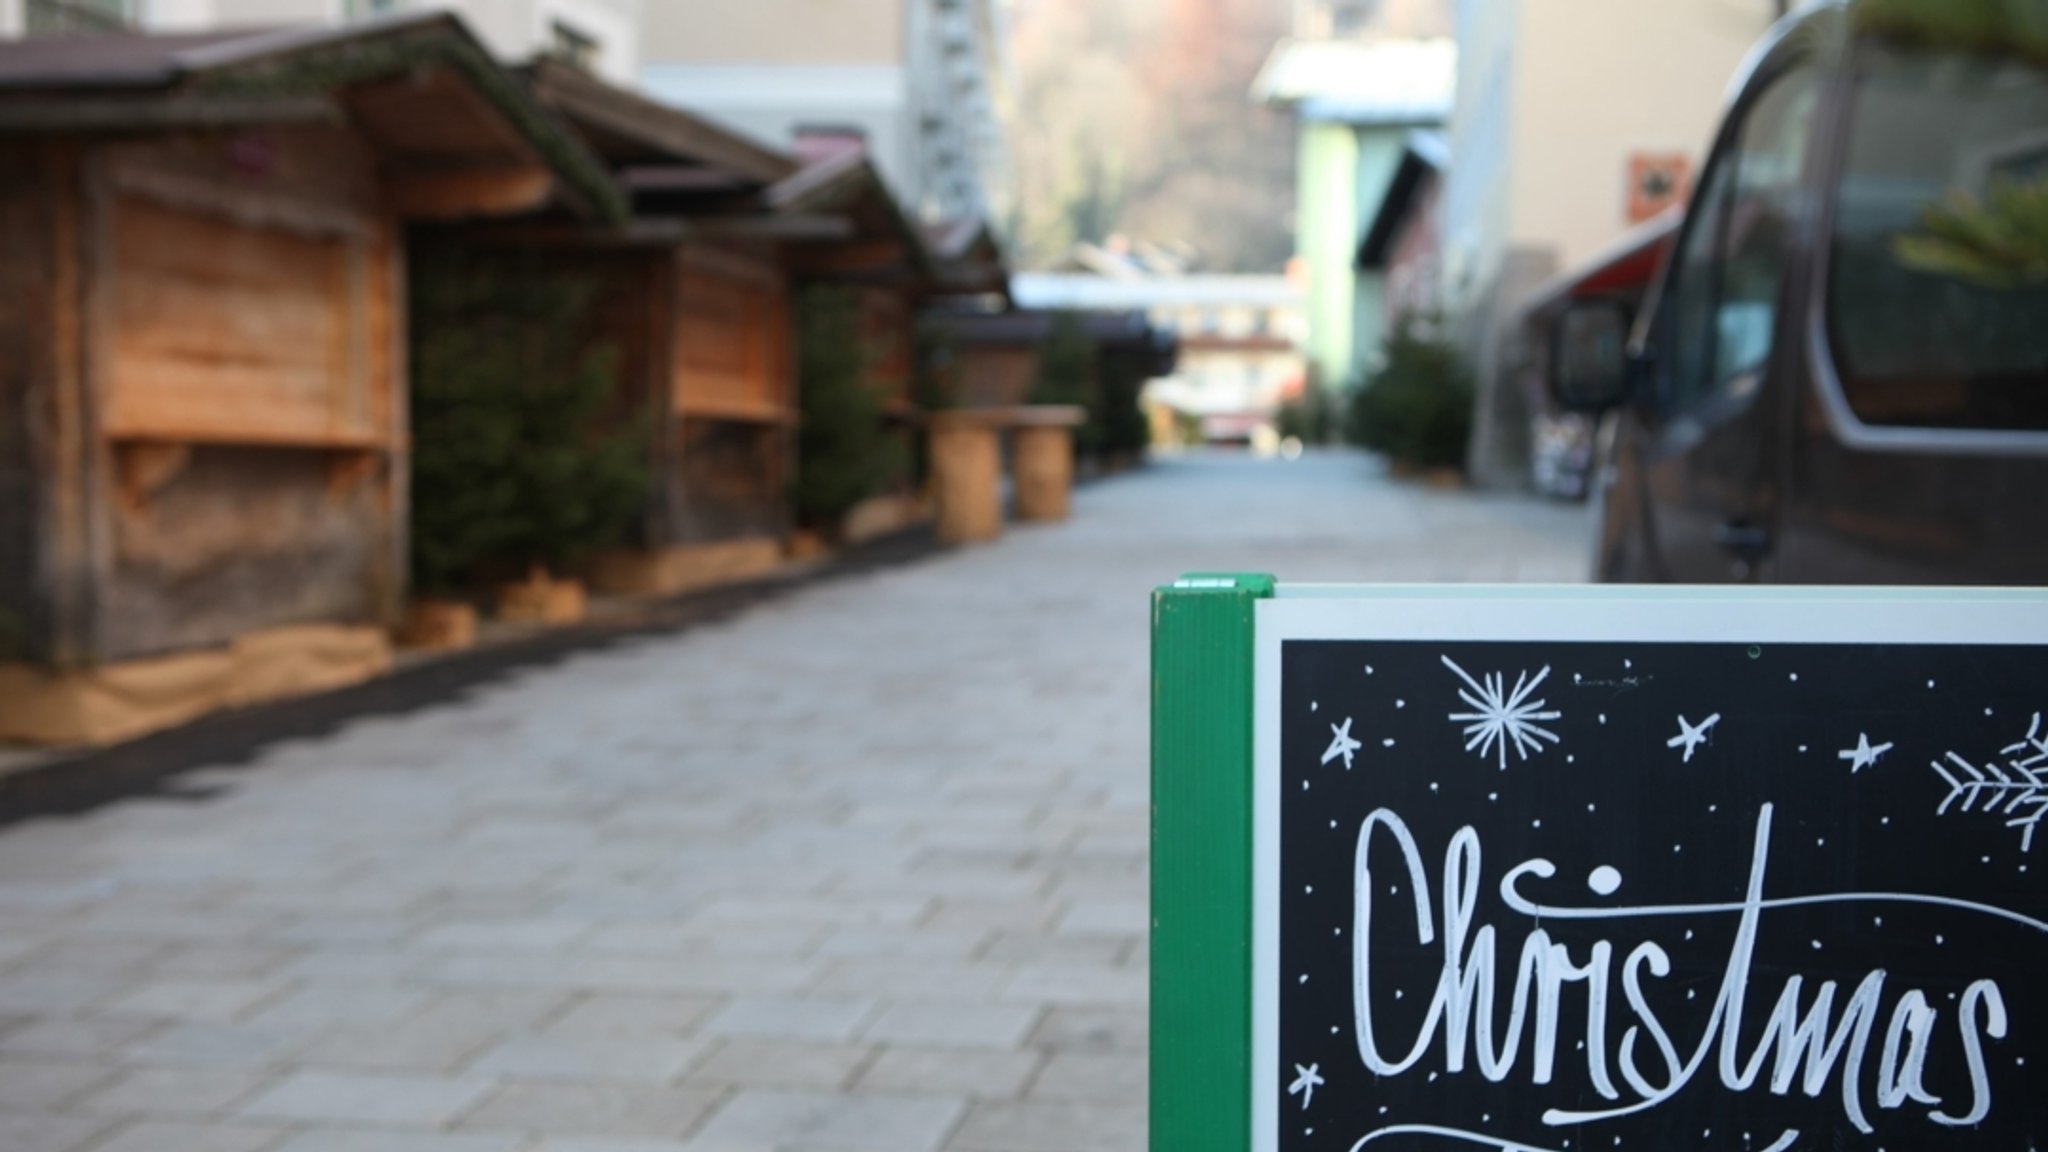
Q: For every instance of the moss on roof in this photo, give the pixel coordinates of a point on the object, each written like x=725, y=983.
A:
x=328, y=65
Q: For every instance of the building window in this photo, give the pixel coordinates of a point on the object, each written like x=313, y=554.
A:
x=572, y=45
x=57, y=17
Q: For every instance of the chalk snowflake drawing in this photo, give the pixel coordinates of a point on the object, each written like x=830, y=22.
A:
x=2017, y=790
x=1501, y=717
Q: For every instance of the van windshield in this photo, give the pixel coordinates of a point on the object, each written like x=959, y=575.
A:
x=1938, y=294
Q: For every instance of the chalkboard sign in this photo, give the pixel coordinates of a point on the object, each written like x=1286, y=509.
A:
x=1557, y=870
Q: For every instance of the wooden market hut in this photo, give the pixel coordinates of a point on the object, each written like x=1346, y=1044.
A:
x=894, y=268
x=203, y=439
x=691, y=297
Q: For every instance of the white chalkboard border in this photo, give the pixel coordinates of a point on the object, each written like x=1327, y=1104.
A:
x=1675, y=614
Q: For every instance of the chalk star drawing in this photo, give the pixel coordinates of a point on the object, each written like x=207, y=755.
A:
x=1690, y=737
x=1341, y=744
x=2018, y=790
x=1502, y=717
x=1306, y=1081
x=1862, y=755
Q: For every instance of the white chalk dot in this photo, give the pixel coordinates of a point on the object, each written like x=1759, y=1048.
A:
x=1688, y=933
x=1309, y=888
x=1987, y=711
x=1878, y=921
x=1313, y=706
x=1930, y=683
x=1603, y=717
x=1886, y=820
x=1713, y=807
x=1605, y=880
x=1432, y=1077
x=1304, y=785
x=1387, y=743
x=1432, y=786
x=1678, y=847
x=1591, y=807
x=1535, y=823
x=1628, y=663
x=1304, y=978
x=1337, y=932
x=1570, y=759
x=1690, y=993
x=1822, y=842
x=1802, y=747
x=1493, y=796
x=1795, y=676
x=1368, y=669
x=1940, y=940
x=1333, y=823
x=1816, y=945
x=1400, y=703
x=1399, y=994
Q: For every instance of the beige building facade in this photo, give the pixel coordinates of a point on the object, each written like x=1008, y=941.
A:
x=1573, y=120
x=602, y=35
x=921, y=80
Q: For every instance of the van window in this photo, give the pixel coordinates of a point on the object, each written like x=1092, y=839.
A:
x=1724, y=292
x=1927, y=332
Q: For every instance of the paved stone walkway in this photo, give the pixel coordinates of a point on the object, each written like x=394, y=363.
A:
x=861, y=870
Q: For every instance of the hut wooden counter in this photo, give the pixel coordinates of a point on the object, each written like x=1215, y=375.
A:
x=203, y=428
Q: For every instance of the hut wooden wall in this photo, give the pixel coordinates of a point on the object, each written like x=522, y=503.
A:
x=732, y=397
x=37, y=234
x=236, y=377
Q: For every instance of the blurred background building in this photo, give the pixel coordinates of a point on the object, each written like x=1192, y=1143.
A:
x=922, y=80
x=600, y=35
x=1239, y=336
x=1356, y=103
x=1575, y=120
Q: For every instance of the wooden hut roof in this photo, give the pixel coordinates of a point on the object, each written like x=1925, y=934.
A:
x=419, y=86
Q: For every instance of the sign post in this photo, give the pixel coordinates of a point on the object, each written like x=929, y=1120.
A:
x=1551, y=869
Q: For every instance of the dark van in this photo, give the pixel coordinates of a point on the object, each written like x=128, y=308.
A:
x=1842, y=374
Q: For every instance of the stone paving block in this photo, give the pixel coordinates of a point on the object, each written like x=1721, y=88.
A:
x=953, y=1024
x=1102, y=1078
x=312, y=1097
x=609, y=1014
x=981, y=1075
x=190, y=998
x=191, y=1136
x=634, y=1059
x=796, y=1018
x=836, y=1122
x=1016, y=948
x=29, y=1131
x=1106, y=917
x=611, y=1110
x=923, y=942
x=1077, y=984
x=1092, y=1030
x=369, y=1140
x=30, y=1083
x=336, y=1004
x=171, y=1091
x=504, y=936
x=911, y=977
x=90, y=1036
x=235, y=1045
x=1051, y=1127
x=750, y=1063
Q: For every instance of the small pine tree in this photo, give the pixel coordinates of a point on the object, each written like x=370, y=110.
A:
x=1417, y=408
x=1066, y=375
x=844, y=454
x=521, y=456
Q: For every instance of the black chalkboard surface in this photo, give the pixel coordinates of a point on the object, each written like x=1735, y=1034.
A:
x=1594, y=895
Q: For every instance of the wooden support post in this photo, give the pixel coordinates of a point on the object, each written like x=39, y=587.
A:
x=967, y=470
x=1042, y=461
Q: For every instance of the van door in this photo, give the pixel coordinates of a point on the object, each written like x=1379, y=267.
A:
x=1709, y=437
x=1922, y=453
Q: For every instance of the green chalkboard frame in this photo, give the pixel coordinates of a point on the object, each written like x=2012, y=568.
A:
x=1201, y=1033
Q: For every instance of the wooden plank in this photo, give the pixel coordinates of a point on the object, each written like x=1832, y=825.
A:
x=453, y=194
x=731, y=336
x=234, y=334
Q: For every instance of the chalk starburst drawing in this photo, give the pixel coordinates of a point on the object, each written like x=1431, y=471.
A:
x=2016, y=789
x=1500, y=717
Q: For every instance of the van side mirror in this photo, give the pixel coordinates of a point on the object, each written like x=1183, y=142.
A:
x=1589, y=369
